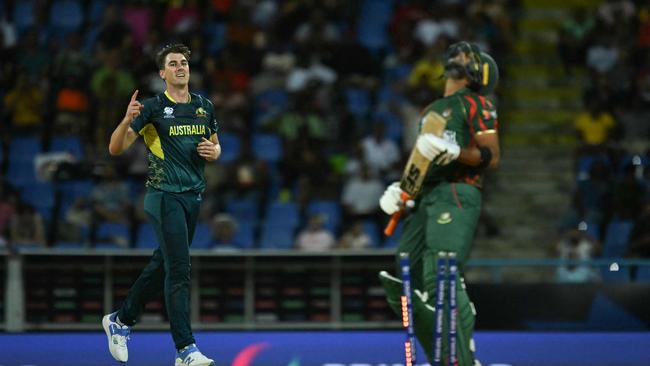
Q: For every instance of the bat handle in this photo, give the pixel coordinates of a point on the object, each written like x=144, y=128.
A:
x=394, y=219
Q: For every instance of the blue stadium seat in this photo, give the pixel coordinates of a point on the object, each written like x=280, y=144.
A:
x=393, y=240
x=393, y=125
x=269, y=104
x=398, y=72
x=215, y=36
x=276, y=237
x=371, y=228
x=620, y=275
x=41, y=197
x=21, y=173
x=282, y=214
x=202, y=236
x=586, y=162
x=71, y=144
x=146, y=237
x=243, y=210
x=24, y=15
x=617, y=238
x=330, y=209
x=357, y=101
x=267, y=147
x=373, y=22
x=230, y=147
x=96, y=11
x=24, y=148
x=643, y=273
x=66, y=16
x=245, y=236
x=69, y=191
x=108, y=234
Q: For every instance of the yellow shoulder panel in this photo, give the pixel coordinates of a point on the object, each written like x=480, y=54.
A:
x=152, y=140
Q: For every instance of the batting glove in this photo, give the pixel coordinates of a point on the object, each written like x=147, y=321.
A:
x=436, y=149
x=391, y=199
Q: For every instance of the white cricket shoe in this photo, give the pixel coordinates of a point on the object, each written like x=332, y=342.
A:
x=191, y=356
x=117, y=336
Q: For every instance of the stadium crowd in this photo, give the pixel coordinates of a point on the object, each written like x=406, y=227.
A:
x=316, y=102
x=611, y=199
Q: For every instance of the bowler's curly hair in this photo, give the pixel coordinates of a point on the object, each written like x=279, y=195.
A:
x=171, y=48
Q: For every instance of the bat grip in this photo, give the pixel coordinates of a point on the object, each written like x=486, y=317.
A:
x=394, y=219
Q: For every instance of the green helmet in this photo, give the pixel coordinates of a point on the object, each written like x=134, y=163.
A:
x=478, y=67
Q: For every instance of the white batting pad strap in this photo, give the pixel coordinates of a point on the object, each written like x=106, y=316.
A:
x=424, y=296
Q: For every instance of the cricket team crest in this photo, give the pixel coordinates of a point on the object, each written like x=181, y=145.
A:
x=168, y=112
x=200, y=112
x=444, y=218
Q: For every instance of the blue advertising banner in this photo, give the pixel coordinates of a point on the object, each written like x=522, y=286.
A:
x=322, y=348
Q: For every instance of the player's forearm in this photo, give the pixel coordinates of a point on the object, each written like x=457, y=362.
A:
x=472, y=156
x=118, y=143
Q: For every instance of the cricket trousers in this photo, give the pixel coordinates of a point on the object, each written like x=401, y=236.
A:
x=444, y=219
x=173, y=217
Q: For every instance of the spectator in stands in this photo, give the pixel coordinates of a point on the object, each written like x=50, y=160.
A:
x=576, y=245
x=76, y=222
x=317, y=31
x=247, y=178
x=594, y=128
x=573, y=38
x=355, y=237
x=223, y=228
x=111, y=85
x=32, y=59
x=428, y=69
x=603, y=55
x=110, y=198
x=315, y=237
x=360, y=197
x=24, y=105
x=113, y=33
x=379, y=152
x=26, y=227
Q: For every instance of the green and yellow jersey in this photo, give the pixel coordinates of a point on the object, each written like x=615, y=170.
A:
x=468, y=114
x=172, y=132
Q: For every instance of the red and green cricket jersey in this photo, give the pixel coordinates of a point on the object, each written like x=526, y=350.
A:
x=172, y=132
x=468, y=114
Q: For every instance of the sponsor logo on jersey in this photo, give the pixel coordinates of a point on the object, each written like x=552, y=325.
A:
x=200, y=112
x=444, y=218
x=446, y=113
x=183, y=130
x=487, y=114
x=168, y=112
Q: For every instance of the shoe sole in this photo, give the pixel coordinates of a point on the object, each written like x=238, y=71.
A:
x=182, y=364
x=105, y=324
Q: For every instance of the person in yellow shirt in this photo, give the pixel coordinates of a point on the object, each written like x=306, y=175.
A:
x=594, y=126
x=24, y=104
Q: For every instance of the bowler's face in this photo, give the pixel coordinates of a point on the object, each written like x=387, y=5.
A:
x=177, y=70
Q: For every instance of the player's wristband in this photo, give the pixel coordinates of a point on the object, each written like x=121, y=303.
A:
x=486, y=157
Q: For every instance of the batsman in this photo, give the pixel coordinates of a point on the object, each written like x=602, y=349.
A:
x=441, y=185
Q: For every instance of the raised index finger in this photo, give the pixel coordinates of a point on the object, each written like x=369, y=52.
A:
x=134, y=96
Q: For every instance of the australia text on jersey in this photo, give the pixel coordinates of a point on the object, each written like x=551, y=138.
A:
x=186, y=130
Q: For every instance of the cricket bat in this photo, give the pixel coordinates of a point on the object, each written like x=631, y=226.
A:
x=417, y=167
